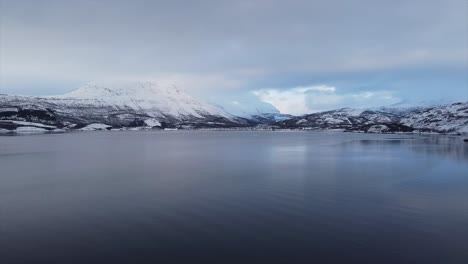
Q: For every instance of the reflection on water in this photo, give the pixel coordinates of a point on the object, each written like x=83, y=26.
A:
x=444, y=147
x=241, y=197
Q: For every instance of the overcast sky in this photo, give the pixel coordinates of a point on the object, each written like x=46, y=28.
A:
x=301, y=56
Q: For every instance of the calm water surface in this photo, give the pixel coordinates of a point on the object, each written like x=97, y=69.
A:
x=233, y=197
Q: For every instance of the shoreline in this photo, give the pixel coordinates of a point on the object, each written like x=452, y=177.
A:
x=38, y=131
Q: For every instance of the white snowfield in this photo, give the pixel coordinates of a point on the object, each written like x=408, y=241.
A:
x=148, y=97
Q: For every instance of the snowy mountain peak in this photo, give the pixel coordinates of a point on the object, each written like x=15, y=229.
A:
x=421, y=104
x=146, y=96
x=140, y=90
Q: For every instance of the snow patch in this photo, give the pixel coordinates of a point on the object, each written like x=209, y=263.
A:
x=352, y=111
x=95, y=126
x=27, y=129
x=152, y=122
x=377, y=129
x=301, y=121
x=32, y=124
x=332, y=120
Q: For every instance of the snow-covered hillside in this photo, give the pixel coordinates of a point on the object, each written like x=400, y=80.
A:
x=148, y=97
x=116, y=105
x=407, y=106
x=445, y=119
x=348, y=119
x=255, y=110
x=137, y=105
x=452, y=118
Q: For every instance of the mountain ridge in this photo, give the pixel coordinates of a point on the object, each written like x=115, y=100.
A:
x=145, y=105
x=452, y=118
x=131, y=104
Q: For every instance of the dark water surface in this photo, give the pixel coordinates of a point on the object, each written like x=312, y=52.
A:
x=233, y=197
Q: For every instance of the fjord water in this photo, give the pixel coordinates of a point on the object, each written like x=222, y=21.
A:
x=233, y=197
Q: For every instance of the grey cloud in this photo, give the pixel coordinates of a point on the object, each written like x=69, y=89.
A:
x=85, y=40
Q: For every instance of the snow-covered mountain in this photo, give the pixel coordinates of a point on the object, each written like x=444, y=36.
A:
x=452, y=118
x=114, y=105
x=407, y=106
x=148, y=97
x=254, y=110
x=137, y=105
x=348, y=119
x=446, y=119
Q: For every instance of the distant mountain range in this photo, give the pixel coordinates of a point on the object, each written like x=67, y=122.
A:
x=147, y=105
x=452, y=118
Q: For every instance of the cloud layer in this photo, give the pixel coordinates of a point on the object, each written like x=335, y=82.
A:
x=245, y=45
x=304, y=100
